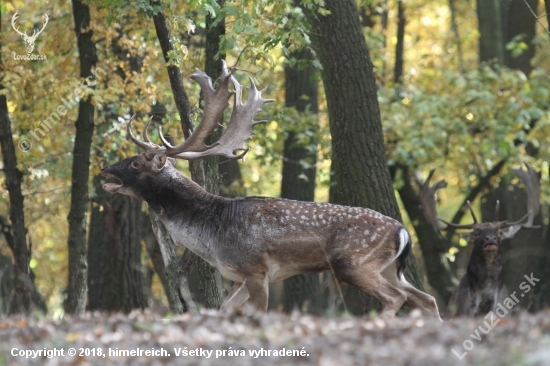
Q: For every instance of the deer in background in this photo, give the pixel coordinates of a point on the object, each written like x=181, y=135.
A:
x=253, y=240
x=482, y=287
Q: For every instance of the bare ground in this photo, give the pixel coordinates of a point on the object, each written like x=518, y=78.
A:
x=519, y=339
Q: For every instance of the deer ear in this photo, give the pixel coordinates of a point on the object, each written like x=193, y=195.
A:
x=466, y=236
x=158, y=162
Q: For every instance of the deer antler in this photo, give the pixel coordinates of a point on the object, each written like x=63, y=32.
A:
x=427, y=199
x=239, y=128
x=530, y=178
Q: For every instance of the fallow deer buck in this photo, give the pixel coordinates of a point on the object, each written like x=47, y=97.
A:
x=482, y=288
x=253, y=240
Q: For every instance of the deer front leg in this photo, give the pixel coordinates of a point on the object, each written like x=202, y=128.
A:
x=237, y=296
x=258, y=289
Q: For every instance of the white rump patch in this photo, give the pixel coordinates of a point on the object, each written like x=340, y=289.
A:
x=404, y=238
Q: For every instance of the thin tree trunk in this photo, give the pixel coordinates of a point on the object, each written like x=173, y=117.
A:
x=360, y=172
x=78, y=267
x=400, y=45
x=454, y=28
x=210, y=281
x=25, y=294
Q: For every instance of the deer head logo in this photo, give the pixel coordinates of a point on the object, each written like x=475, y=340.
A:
x=29, y=40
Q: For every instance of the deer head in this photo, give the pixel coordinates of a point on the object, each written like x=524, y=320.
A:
x=29, y=40
x=135, y=172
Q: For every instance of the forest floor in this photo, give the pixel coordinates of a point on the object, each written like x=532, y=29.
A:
x=245, y=339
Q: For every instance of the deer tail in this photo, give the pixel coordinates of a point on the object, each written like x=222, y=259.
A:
x=403, y=249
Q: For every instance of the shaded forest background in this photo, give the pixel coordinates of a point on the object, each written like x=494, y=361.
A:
x=459, y=90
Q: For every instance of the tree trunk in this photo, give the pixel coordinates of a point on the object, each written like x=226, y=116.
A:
x=400, y=45
x=434, y=245
x=78, y=267
x=115, y=273
x=520, y=20
x=360, y=172
x=25, y=293
x=210, y=280
x=490, y=31
x=298, y=176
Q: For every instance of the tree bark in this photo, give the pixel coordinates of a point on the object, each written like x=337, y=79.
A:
x=400, y=45
x=434, y=246
x=78, y=267
x=115, y=274
x=360, y=172
x=520, y=20
x=491, y=47
x=25, y=293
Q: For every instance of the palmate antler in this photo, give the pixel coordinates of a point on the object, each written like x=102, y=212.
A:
x=509, y=229
x=239, y=128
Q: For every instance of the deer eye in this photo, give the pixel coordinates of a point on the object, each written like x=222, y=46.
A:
x=135, y=165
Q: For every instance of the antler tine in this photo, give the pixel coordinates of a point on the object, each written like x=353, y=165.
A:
x=145, y=134
x=472, y=211
x=457, y=226
x=531, y=180
x=215, y=102
x=497, y=207
x=427, y=199
x=144, y=145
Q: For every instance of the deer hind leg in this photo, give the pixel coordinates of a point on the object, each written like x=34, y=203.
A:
x=237, y=296
x=259, y=291
x=374, y=284
x=416, y=298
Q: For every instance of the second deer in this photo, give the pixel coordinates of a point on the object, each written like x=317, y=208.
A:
x=482, y=288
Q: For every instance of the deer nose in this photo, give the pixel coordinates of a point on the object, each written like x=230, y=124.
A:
x=491, y=239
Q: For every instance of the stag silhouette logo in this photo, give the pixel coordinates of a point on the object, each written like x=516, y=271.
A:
x=29, y=40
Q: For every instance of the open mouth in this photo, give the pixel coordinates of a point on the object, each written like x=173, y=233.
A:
x=112, y=187
x=490, y=246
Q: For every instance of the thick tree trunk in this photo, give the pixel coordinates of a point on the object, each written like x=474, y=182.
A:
x=304, y=291
x=115, y=273
x=25, y=292
x=520, y=20
x=360, y=172
x=210, y=280
x=491, y=47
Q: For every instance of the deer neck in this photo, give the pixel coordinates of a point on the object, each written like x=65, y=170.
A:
x=485, y=267
x=189, y=212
